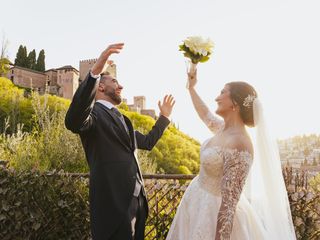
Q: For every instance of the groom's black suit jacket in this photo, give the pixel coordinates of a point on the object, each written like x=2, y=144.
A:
x=111, y=157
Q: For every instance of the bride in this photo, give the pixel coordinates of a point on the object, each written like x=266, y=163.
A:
x=239, y=193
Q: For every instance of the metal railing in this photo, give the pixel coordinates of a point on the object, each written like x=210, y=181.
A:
x=164, y=194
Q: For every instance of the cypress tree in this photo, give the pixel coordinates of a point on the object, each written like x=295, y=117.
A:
x=40, y=66
x=19, y=57
x=25, y=62
x=32, y=59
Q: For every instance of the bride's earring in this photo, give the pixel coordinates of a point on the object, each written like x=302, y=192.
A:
x=233, y=108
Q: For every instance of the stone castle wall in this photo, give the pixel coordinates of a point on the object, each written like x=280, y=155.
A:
x=27, y=78
x=86, y=65
x=68, y=80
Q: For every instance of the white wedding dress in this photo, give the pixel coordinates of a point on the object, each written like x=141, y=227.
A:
x=242, y=205
x=220, y=180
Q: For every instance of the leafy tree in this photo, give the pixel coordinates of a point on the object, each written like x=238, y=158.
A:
x=19, y=56
x=123, y=106
x=40, y=65
x=315, y=184
x=32, y=59
x=25, y=57
x=4, y=66
x=22, y=57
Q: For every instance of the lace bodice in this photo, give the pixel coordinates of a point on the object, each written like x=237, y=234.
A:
x=211, y=169
x=223, y=171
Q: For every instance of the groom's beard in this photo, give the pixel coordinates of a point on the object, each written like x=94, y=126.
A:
x=111, y=93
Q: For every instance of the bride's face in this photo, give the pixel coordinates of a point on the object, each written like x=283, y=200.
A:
x=224, y=101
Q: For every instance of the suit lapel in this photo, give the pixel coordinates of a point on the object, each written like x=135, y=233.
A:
x=134, y=145
x=131, y=132
x=122, y=131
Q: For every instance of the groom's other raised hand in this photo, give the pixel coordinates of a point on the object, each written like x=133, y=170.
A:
x=166, y=106
x=98, y=67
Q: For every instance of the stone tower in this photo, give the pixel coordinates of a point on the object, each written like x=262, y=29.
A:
x=86, y=65
x=68, y=80
x=139, y=102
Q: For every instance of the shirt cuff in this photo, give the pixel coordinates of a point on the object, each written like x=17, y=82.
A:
x=94, y=76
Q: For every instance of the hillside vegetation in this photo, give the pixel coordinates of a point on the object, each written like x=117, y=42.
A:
x=33, y=136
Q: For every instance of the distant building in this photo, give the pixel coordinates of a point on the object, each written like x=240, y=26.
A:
x=86, y=65
x=316, y=153
x=139, y=106
x=62, y=81
x=68, y=81
x=27, y=78
x=149, y=112
x=52, y=81
x=139, y=102
x=293, y=162
x=65, y=80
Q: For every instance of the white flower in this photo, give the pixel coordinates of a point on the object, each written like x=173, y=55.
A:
x=199, y=45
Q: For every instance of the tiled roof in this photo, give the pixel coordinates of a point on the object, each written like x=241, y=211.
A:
x=27, y=69
x=67, y=67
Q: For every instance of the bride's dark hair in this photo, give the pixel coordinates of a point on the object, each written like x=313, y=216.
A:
x=239, y=91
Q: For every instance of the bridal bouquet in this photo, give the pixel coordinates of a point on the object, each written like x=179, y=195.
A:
x=197, y=49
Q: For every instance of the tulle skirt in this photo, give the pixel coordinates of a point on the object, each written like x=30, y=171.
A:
x=196, y=217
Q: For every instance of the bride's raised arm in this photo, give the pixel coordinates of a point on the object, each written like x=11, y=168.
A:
x=214, y=123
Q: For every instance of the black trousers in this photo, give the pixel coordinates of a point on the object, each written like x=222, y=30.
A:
x=133, y=226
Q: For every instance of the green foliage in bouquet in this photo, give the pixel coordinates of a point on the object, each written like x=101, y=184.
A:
x=197, y=49
x=194, y=57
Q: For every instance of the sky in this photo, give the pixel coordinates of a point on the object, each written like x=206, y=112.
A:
x=273, y=45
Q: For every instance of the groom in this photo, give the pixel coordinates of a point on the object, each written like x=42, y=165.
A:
x=118, y=203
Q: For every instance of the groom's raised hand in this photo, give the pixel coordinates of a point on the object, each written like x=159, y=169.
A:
x=98, y=67
x=167, y=105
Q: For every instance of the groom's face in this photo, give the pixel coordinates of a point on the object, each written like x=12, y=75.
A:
x=224, y=101
x=111, y=89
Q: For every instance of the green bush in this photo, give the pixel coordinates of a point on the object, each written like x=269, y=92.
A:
x=43, y=206
x=175, y=152
x=35, y=205
x=21, y=110
x=48, y=146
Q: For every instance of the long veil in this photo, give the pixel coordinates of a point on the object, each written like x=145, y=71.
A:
x=265, y=188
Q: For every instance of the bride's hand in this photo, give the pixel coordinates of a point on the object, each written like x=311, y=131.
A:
x=192, y=78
